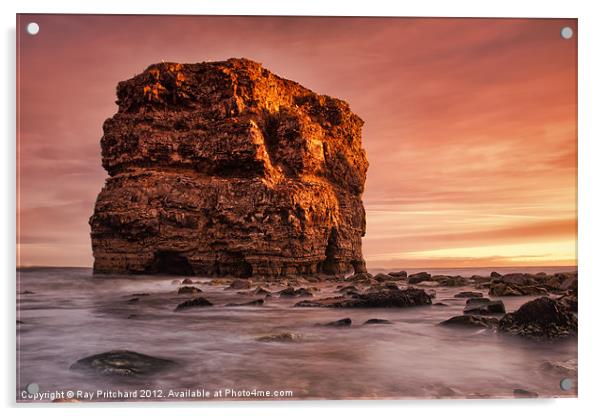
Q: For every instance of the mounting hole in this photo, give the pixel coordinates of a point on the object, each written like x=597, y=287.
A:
x=32, y=388
x=566, y=32
x=33, y=28
x=566, y=384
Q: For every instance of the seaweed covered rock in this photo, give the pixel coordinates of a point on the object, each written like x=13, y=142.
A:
x=224, y=168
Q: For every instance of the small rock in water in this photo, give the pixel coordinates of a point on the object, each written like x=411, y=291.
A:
x=382, y=299
x=525, y=394
x=262, y=292
x=281, y=337
x=122, y=363
x=256, y=302
x=468, y=295
x=479, y=306
x=195, y=302
x=292, y=292
x=27, y=292
x=134, y=300
x=188, y=289
x=376, y=321
x=186, y=281
x=339, y=323
x=471, y=321
x=401, y=274
x=418, y=277
x=239, y=284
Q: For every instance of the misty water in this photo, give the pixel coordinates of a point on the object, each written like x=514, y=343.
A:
x=71, y=315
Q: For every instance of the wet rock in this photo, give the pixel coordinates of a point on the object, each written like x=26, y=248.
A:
x=382, y=299
x=440, y=304
x=471, y=321
x=468, y=295
x=340, y=323
x=256, y=302
x=542, y=318
x=134, y=300
x=570, y=302
x=194, y=303
x=484, y=306
x=188, y=289
x=20, y=322
x=418, y=277
x=186, y=281
x=524, y=394
x=292, y=292
x=122, y=363
x=377, y=321
x=360, y=277
x=260, y=291
x=382, y=277
x=239, y=284
x=269, y=173
x=139, y=295
x=401, y=274
x=450, y=281
x=281, y=337
x=560, y=369
x=509, y=289
x=27, y=292
x=495, y=274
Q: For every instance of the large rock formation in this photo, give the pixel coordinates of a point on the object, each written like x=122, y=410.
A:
x=223, y=168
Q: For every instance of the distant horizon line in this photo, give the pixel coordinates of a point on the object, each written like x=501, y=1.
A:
x=375, y=267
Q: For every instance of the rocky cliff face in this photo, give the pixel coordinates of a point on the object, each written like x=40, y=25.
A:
x=224, y=168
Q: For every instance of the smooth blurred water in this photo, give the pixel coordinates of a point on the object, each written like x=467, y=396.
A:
x=72, y=314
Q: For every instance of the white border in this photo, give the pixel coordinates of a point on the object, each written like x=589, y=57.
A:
x=590, y=209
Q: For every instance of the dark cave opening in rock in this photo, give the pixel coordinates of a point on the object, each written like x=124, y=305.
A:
x=171, y=262
x=331, y=265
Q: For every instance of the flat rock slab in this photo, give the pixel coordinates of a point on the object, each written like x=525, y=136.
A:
x=382, y=299
x=122, y=363
x=471, y=321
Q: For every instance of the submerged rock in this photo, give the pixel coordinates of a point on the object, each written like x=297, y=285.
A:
x=122, y=363
x=381, y=299
x=340, y=323
x=377, y=321
x=468, y=295
x=194, y=303
x=292, y=292
x=542, y=318
x=524, y=394
x=224, y=168
x=256, y=302
x=471, y=321
x=281, y=337
x=189, y=289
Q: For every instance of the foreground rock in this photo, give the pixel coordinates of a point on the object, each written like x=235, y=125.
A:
x=194, y=303
x=471, y=321
x=381, y=299
x=542, y=318
x=188, y=289
x=269, y=173
x=377, y=321
x=122, y=363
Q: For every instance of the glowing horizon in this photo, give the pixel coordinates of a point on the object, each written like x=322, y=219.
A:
x=470, y=125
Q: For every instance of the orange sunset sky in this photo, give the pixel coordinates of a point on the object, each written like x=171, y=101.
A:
x=470, y=125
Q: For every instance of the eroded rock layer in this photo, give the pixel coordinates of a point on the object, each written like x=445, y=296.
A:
x=224, y=168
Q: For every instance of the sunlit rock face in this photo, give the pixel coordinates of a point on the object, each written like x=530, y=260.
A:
x=223, y=168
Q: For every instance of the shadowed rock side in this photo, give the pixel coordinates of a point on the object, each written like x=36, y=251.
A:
x=223, y=168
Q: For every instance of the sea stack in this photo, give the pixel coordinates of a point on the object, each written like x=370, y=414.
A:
x=224, y=168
